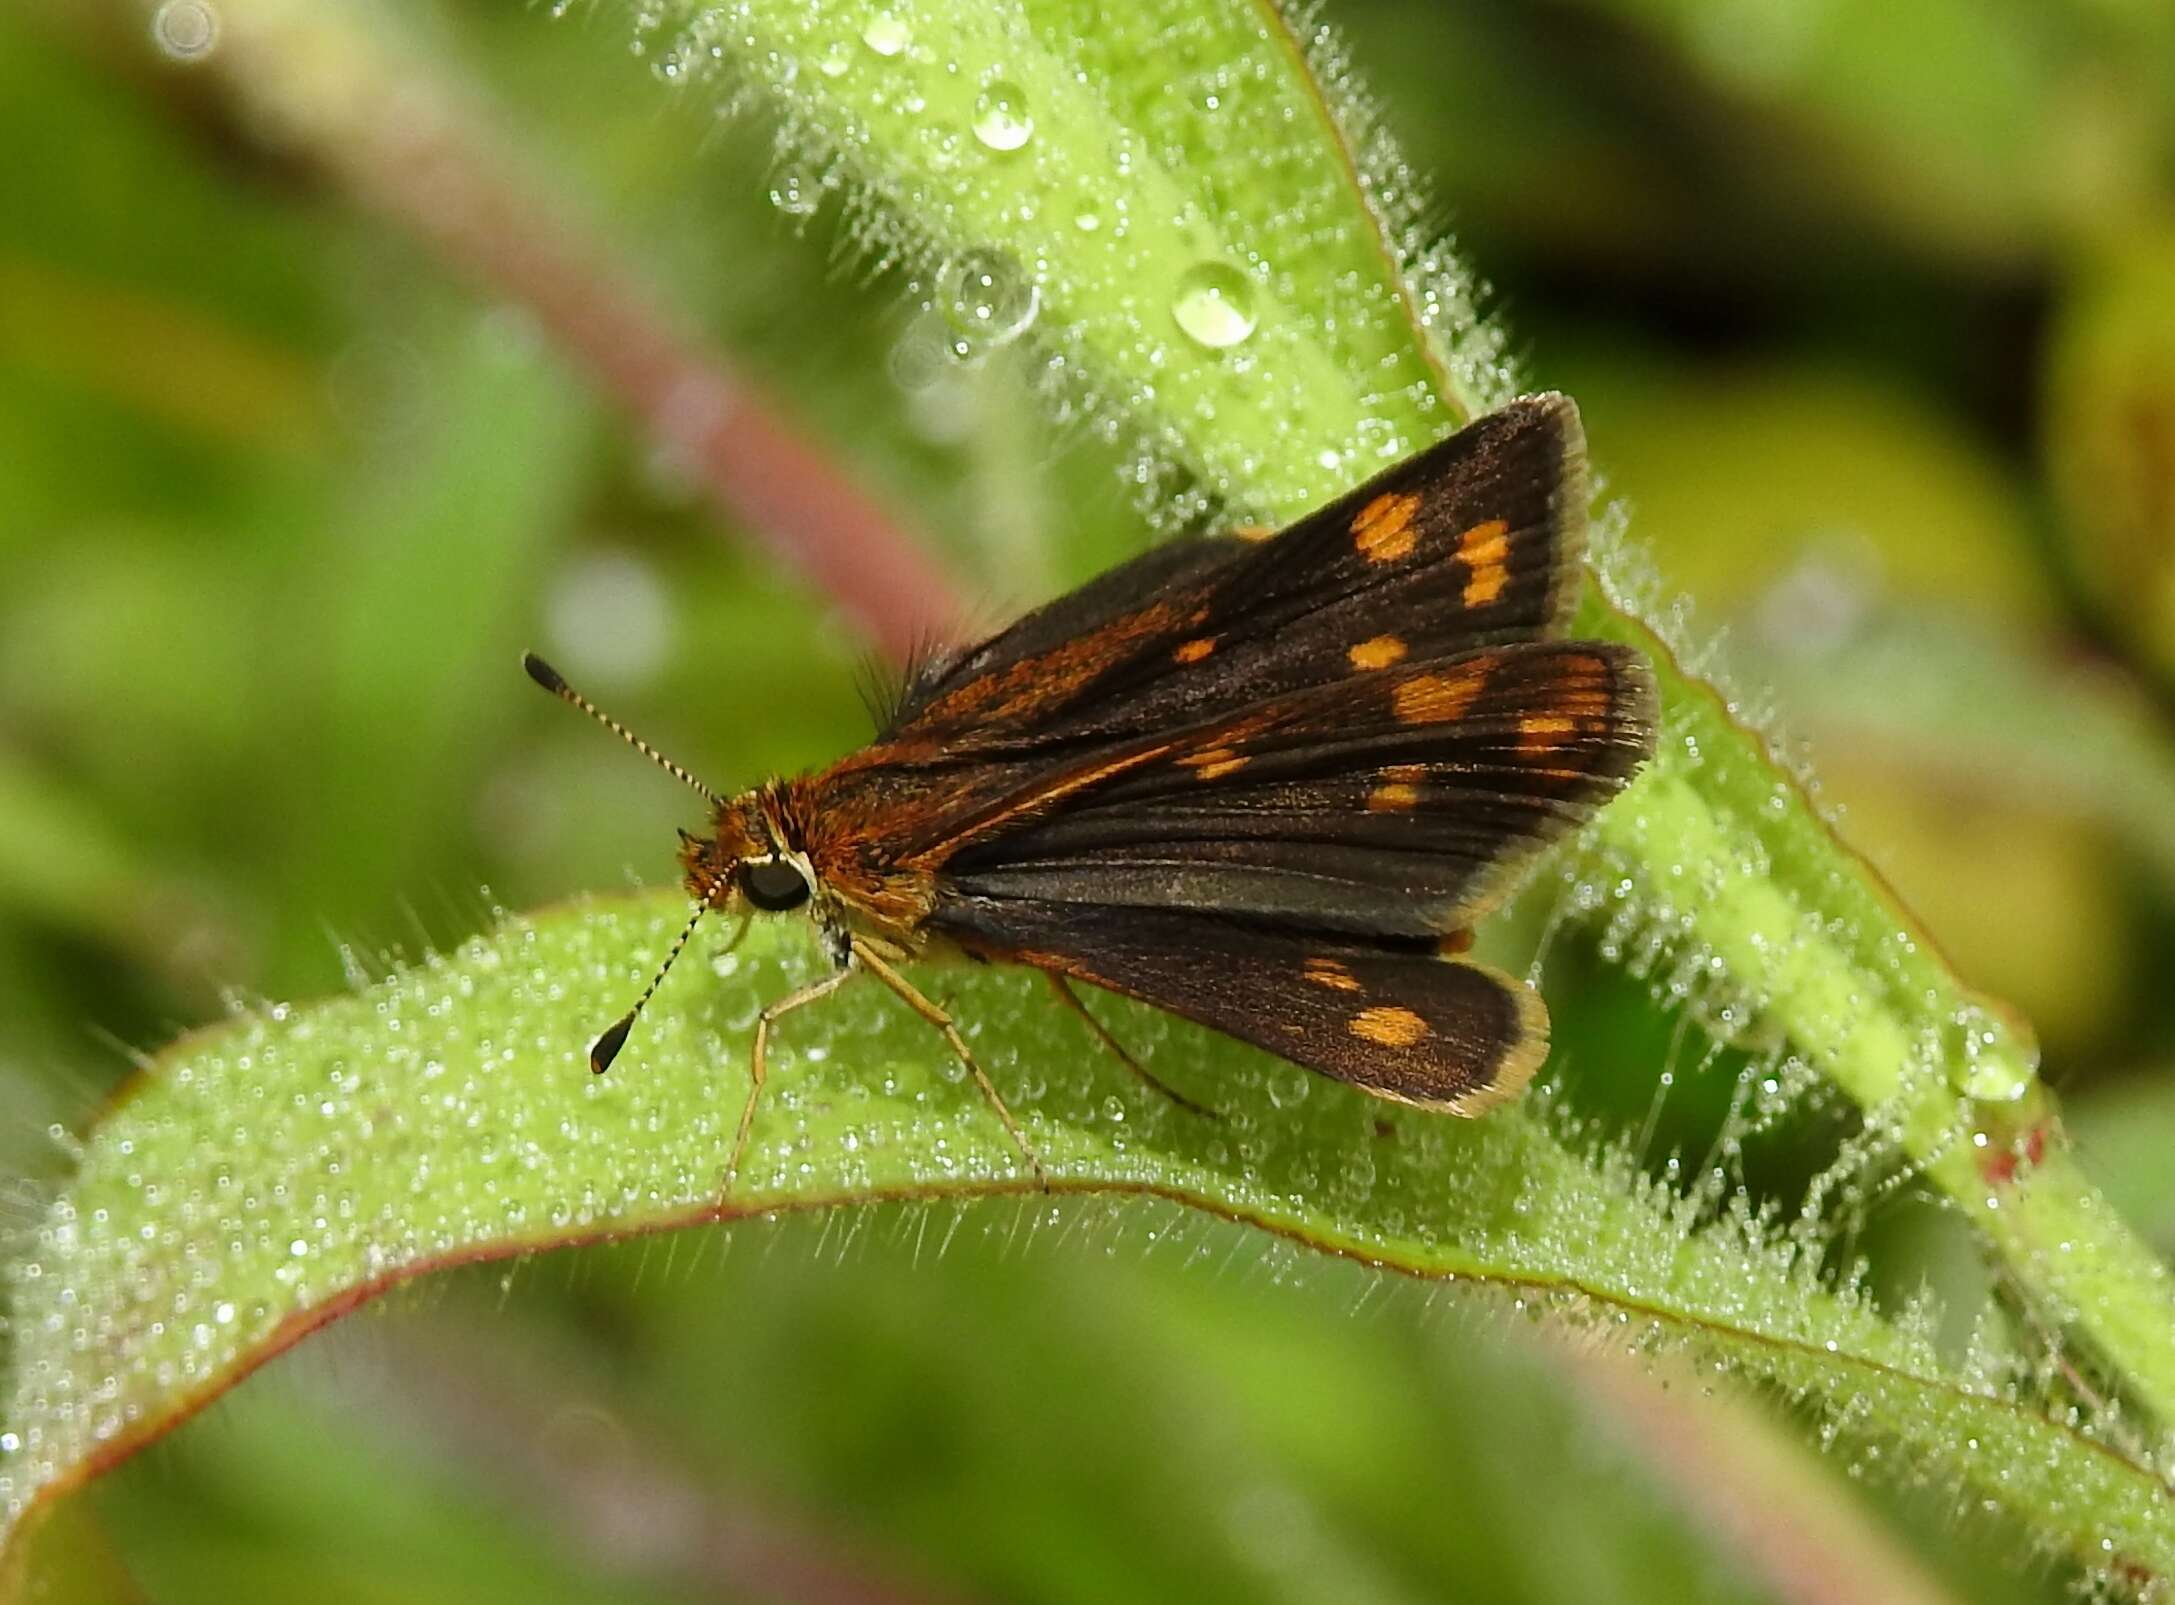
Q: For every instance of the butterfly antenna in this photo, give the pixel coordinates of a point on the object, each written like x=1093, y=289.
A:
x=607, y=1046
x=554, y=682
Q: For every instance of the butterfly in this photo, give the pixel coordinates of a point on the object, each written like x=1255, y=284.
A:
x=1265, y=780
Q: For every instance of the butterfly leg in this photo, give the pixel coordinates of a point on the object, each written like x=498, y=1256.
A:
x=943, y=1022
x=740, y=930
x=756, y=1057
x=1117, y=1049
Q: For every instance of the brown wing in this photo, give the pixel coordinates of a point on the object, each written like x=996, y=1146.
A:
x=1473, y=542
x=1258, y=784
x=1401, y=1021
x=1397, y=803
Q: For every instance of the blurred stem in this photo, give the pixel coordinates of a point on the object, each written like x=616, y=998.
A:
x=406, y=141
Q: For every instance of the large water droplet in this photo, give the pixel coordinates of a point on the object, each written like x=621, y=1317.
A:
x=921, y=356
x=886, y=34
x=1001, y=118
x=988, y=301
x=1215, y=305
x=1985, y=1060
x=834, y=61
x=185, y=29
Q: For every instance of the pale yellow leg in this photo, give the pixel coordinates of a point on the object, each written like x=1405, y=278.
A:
x=943, y=1022
x=1117, y=1049
x=756, y=1071
x=740, y=930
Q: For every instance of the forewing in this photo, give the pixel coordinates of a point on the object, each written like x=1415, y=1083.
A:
x=1472, y=542
x=1402, y=1021
x=1397, y=803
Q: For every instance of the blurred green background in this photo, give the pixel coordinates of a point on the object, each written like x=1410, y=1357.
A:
x=1871, y=311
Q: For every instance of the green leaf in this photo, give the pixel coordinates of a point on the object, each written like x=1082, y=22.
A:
x=266, y=1175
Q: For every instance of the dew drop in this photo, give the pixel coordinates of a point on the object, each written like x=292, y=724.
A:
x=1087, y=222
x=989, y=302
x=886, y=34
x=1001, y=119
x=796, y=194
x=1215, y=305
x=920, y=358
x=1289, y=1086
x=187, y=30
x=834, y=61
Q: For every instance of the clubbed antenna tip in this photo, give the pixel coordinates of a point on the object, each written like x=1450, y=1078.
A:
x=544, y=674
x=608, y=1045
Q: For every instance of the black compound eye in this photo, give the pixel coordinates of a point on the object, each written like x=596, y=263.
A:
x=773, y=884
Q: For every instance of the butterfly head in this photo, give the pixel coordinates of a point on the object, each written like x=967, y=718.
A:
x=743, y=864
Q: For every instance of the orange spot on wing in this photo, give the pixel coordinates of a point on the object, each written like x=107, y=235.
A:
x=1378, y=653
x=1585, y=688
x=1383, y=530
x=1393, y=798
x=1212, y=763
x=1453, y=944
x=1437, y=698
x=1254, y=532
x=1195, y=650
x=1544, y=732
x=1329, y=973
x=1388, y=1025
x=1483, y=549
